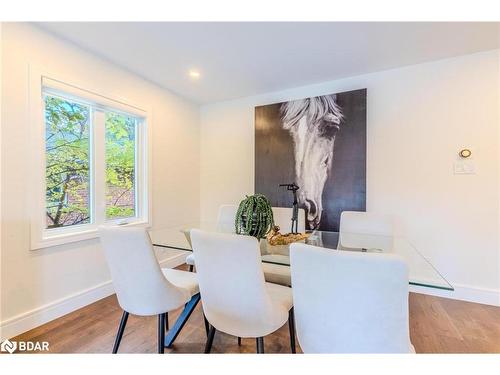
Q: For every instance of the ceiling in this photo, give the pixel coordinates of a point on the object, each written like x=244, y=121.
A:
x=243, y=59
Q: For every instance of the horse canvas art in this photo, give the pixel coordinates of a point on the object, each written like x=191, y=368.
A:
x=318, y=143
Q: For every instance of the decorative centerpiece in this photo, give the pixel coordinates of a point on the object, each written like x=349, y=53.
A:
x=275, y=238
x=254, y=216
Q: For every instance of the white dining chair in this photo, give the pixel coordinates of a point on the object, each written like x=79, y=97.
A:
x=350, y=302
x=273, y=273
x=142, y=287
x=226, y=218
x=236, y=298
x=359, y=229
x=366, y=222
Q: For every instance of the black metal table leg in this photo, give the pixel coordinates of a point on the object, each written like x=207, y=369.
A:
x=181, y=320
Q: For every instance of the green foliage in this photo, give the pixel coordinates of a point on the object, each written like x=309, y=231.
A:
x=120, y=165
x=67, y=162
x=67, y=139
x=118, y=211
x=254, y=216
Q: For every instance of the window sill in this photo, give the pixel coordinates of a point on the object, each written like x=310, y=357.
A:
x=89, y=233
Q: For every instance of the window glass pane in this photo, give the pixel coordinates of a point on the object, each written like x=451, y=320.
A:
x=120, y=166
x=67, y=151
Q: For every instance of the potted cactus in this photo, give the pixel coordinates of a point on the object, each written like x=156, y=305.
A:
x=254, y=216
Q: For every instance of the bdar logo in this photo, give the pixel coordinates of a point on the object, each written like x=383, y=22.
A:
x=24, y=346
x=8, y=346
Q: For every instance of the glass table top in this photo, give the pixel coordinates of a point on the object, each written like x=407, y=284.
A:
x=422, y=272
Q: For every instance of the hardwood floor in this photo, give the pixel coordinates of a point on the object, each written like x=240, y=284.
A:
x=437, y=325
x=441, y=325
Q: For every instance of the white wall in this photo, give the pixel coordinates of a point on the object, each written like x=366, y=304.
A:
x=40, y=285
x=419, y=117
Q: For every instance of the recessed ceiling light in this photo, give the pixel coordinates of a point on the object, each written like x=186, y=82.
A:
x=194, y=74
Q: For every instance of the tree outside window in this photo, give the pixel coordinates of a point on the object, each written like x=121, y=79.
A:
x=68, y=129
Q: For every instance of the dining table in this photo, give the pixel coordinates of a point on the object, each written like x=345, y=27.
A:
x=422, y=272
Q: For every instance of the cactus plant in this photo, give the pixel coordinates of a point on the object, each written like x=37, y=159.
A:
x=254, y=216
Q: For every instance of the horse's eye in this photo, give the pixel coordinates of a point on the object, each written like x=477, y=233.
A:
x=328, y=130
x=327, y=160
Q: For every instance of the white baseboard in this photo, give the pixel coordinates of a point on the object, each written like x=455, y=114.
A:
x=463, y=293
x=174, y=260
x=44, y=314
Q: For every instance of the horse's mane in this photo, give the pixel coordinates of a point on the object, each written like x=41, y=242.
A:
x=317, y=109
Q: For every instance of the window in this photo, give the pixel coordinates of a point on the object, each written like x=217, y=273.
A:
x=95, y=168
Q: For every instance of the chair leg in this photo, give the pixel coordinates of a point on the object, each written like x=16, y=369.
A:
x=291, y=327
x=166, y=322
x=191, y=268
x=239, y=341
x=210, y=340
x=161, y=333
x=121, y=329
x=260, y=345
x=207, y=325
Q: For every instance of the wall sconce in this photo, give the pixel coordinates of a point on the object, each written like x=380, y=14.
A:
x=465, y=153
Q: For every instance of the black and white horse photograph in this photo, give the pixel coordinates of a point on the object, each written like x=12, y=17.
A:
x=318, y=143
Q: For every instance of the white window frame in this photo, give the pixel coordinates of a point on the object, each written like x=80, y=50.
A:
x=42, y=82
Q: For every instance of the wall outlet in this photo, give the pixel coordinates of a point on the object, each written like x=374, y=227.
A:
x=464, y=167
